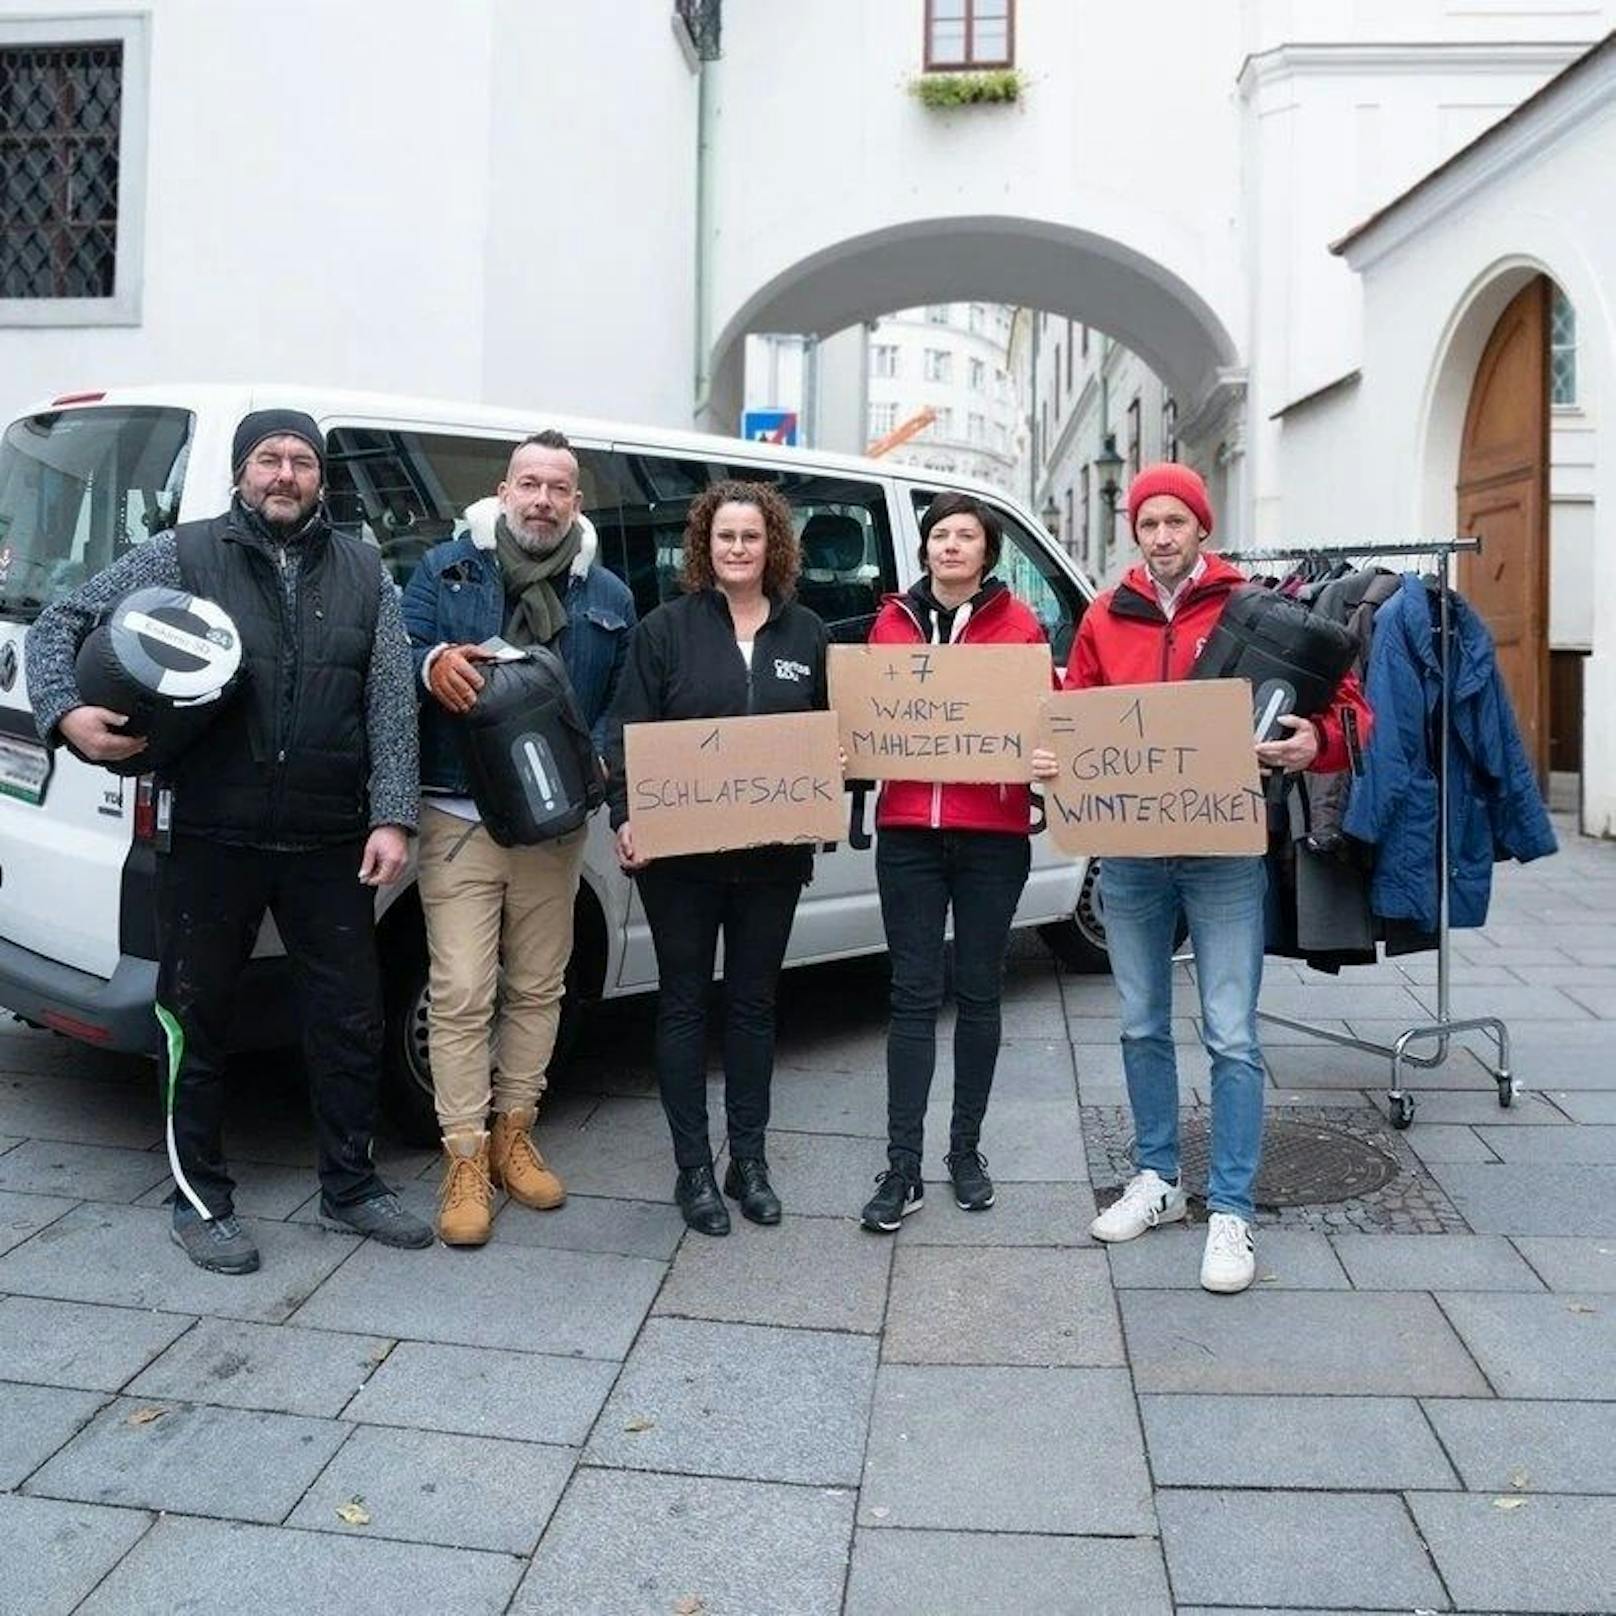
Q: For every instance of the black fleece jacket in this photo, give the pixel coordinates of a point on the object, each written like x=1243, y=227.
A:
x=683, y=662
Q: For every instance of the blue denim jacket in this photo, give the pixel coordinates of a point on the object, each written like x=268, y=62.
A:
x=455, y=597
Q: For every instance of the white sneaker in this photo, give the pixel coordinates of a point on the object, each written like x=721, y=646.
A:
x=1147, y=1200
x=1229, y=1263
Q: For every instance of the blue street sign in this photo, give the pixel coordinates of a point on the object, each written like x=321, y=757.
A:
x=769, y=426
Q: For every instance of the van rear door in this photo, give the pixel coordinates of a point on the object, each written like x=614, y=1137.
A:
x=78, y=487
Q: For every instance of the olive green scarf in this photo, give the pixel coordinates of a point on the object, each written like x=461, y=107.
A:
x=535, y=611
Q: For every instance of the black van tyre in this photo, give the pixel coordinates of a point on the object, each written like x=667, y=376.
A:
x=1079, y=943
x=406, y=1061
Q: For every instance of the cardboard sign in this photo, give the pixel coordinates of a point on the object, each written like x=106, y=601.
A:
x=708, y=784
x=1152, y=771
x=938, y=712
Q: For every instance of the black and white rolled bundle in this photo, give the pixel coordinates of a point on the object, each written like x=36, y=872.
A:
x=170, y=661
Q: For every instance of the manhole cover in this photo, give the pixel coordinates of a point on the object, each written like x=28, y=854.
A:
x=1303, y=1163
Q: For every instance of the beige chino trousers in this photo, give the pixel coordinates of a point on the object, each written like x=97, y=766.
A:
x=487, y=905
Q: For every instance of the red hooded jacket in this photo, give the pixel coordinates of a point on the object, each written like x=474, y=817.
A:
x=1001, y=619
x=1126, y=639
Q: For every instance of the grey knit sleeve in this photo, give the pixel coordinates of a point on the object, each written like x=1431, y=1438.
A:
x=390, y=719
x=53, y=642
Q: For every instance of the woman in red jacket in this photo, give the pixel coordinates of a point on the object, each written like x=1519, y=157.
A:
x=948, y=846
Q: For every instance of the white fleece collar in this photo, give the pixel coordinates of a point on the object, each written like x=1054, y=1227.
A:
x=481, y=517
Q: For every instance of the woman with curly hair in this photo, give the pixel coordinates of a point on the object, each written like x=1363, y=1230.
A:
x=734, y=643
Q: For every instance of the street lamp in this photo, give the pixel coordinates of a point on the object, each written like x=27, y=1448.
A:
x=1108, y=479
x=1051, y=516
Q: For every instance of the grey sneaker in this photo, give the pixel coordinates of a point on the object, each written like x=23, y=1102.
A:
x=220, y=1245
x=382, y=1217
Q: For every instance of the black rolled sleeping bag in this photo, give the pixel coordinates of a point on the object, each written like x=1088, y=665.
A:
x=1293, y=657
x=527, y=750
x=168, y=660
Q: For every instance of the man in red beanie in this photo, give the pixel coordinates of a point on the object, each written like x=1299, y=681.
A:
x=1151, y=627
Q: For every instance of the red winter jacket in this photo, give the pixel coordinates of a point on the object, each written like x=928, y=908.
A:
x=1001, y=619
x=1125, y=639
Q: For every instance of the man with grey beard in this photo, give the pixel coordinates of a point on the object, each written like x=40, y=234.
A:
x=525, y=570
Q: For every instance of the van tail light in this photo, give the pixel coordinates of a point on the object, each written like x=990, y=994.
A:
x=78, y=398
x=146, y=808
x=89, y=1032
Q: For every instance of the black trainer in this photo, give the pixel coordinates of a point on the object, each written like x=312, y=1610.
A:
x=220, y=1245
x=747, y=1180
x=696, y=1191
x=382, y=1217
x=973, y=1189
x=898, y=1192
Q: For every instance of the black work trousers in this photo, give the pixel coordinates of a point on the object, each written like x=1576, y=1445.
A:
x=922, y=874
x=686, y=916
x=211, y=899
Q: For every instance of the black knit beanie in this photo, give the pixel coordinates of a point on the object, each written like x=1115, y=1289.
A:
x=263, y=424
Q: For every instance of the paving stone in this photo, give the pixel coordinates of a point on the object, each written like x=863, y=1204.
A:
x=1170, y=1258
x=595, y=1223
x=1434, y=1262
x=1028, y=1068
x=1528, y=1446
x=275, y=1367
x=1585, y=1105
x=81, y=1172
x=1539, y=1346
x=1085, y=1030
x=901, y=1573
x=622, y=1149
x=214, y=1561
x=263, y=1189
x=1025, y=1141
x=56, y=1553
x=123, y=1255
x=226, y=1462
x=1447, y=1142
x=1551, y=1554
x=1291, y=1442
x=62, y=1106
x=1461, y=973
x=624, y=1543
x=816, y=1273
x=1517, y=1198
x=987, y=1305
x=1361, y=1549
x=526, y=1396
x=739, y=1400
x=1521, y=1003
x=22, y=1216
x=34, y=1422
x=1022, y=1215
x=823, y=1175
x=1343, y=999
x=69, y=1344
x=1571, y=1263
x=1478, y=1106
x=1345, y=1343
x=852, y=1103
x=464, y=1492
x=1051, y=1450
x=565, y=1302
x=1592, y=1144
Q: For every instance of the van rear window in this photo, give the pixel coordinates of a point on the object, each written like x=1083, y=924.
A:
x=79, y=487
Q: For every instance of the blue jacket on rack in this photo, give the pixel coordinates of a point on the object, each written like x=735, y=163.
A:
x=1495, y=810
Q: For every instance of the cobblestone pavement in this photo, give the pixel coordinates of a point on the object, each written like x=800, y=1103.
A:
x=987, y=1414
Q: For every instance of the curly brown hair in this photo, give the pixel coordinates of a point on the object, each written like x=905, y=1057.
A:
x=782, y=558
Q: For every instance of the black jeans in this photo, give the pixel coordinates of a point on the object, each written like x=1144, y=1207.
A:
x=211, y=899
x=921, y=874
x=686, y=917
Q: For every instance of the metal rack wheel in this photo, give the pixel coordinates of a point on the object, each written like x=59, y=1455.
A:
x=1402, y=1109
x=1506, y=1090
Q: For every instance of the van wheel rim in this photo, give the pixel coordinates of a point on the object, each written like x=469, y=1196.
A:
x=1089, y=915
x=417, y=1048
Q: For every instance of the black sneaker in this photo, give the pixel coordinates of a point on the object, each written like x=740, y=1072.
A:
x=220, y=1245
x=898, y=1193
x=973, y=1189
x=382, y=1217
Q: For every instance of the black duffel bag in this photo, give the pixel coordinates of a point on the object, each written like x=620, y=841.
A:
x=527, y=750
x=1293, y=657
x=170, y=662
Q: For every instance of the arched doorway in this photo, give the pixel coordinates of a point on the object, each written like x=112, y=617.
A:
x=1503, y=496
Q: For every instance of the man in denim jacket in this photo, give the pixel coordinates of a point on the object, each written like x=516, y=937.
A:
x=525, y=570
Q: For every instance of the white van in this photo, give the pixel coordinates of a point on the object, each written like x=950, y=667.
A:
x=86, y=475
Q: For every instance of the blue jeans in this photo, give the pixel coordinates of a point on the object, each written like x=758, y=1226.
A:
x=1222, y=898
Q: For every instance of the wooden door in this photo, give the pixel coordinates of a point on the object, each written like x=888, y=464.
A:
x=1504, y=498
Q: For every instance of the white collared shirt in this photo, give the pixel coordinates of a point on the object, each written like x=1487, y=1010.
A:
x=1168, y=599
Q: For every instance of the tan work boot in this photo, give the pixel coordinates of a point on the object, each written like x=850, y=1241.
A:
x=466, y=1204
x=517, y=1165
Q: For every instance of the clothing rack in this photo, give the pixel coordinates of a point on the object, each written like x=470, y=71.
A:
x=1441, y=1029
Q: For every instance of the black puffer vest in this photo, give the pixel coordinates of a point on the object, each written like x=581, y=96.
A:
x=288, y=766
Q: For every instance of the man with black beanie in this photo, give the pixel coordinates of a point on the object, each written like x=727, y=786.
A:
x=298, y=800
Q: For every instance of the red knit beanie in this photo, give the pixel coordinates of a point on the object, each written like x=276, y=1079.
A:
x=1168, y=477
